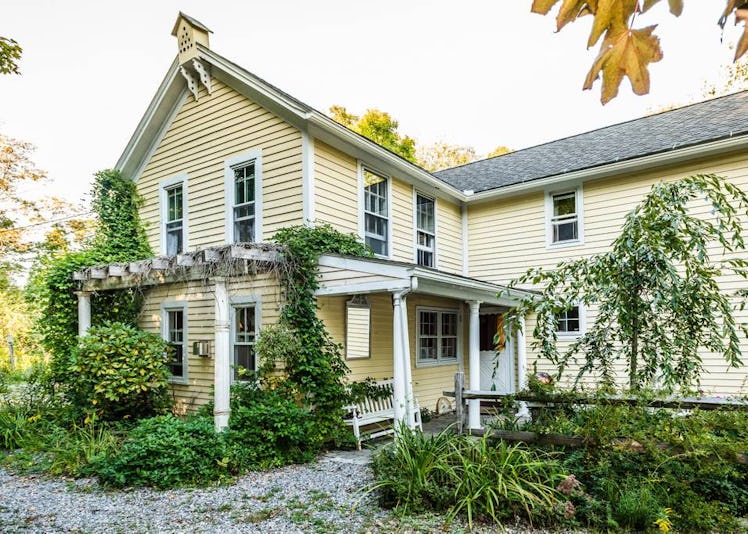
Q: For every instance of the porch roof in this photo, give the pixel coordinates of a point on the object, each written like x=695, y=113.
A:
x=349, y=275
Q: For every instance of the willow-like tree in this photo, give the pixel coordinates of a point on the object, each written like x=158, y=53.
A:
x=656, y=291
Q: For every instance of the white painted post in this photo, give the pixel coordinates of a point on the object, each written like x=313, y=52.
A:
x=222, y=362
x=398, y=382
x=474, y=364
x=522, y=366
x=410, y=404
x=84, y=312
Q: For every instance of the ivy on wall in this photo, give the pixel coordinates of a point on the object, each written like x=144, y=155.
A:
x=317, y=368
x=119, y=237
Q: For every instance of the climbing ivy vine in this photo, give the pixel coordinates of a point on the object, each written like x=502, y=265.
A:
x=317, y=369
x=119, y=237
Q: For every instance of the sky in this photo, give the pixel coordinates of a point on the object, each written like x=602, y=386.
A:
x=478, y=73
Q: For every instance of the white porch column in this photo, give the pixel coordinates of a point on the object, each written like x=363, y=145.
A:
x=522, y=366
x=474, y=363
x=410, y=404
x=222, y=362
x=84, y=312
x=398, y=386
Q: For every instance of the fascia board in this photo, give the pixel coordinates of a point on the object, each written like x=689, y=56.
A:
x=644, y=163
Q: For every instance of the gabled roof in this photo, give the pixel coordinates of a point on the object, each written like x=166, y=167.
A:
x=196, y=23
x=697, y=124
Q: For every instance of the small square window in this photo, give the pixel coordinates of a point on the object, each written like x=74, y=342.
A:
x=438, y=338
x=564, y=217
x=569, y=321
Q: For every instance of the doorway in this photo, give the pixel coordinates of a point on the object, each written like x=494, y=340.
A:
x=492, y=377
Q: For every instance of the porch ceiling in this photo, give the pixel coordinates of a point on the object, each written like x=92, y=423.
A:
x=346, y=275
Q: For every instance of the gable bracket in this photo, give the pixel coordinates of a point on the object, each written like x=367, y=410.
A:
x=191, y=82
x=203, y=72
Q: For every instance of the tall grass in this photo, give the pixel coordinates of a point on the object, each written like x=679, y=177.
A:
x=461, y=475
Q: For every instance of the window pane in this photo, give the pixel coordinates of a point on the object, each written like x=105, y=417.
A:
x=428, y=323
x=375, y=194
x=425, y=214
x=176, y=340
x=174, y=238
x=425, y=258
x=565, y=204
x=428, y=348
x=566, y=231
x=174, y=206
x=244, y=231
x=449, y=324
x=449, y=348
x=244, y=184
x=568, y=321
x=244, y=358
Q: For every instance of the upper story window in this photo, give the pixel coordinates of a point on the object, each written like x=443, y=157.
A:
x=174, y=331
x=425, y=231
x=376, y=212
x=244, y=203
x=243, y=340
x=437, y=336
x=564, y=217
x=174, y=215
x=243, y=190
x=570, y=322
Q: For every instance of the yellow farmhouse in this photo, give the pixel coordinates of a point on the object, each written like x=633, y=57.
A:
x=223, y=160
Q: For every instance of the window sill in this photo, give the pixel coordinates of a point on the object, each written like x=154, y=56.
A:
x=178, y=381
x=569, y=335
x=565, y=244
x=438, y=363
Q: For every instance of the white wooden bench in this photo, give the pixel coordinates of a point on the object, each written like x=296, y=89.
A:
x=375, y=410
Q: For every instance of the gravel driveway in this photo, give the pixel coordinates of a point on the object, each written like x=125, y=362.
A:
x=307, y=498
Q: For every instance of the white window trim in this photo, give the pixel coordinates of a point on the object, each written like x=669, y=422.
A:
x=582, y=325
x=177, y=305
x=578, y=191
x=228, y=188
x=416, y=194
x=239, y=301
x=439, y=362
x=163, y=185
x=361, y=212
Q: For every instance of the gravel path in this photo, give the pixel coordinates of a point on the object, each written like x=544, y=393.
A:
x=309, y=498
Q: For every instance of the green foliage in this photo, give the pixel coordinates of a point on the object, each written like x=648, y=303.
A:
x=656, y=291
x=119, y=237
x=640, y=465
x=315, y=371
x=10, y=54
x=267, y=429
x=166, y=452
x=118, y=371
x=462, y=475
x=380, y=127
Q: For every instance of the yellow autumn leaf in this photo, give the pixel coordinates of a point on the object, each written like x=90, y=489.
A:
x=611, y=16
x=542, y=7
x=626, y=53
x=569, y=11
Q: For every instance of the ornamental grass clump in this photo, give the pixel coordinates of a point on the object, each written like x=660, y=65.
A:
x=476, y=478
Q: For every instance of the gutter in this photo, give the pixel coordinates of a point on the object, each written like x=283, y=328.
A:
x=617, y=168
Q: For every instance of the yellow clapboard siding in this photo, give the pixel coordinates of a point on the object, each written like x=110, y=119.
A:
x=336, y=188
x=449, y=236
x=202, y=136
x=507, y=237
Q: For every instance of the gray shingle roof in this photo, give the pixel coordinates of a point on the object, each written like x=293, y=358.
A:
x=716, y=119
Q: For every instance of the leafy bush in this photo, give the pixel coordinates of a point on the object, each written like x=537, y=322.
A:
x=166, y=452
x=268, y=429
x=463, y=475
x=118, y=371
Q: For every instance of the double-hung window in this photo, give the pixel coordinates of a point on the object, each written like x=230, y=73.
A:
x=244, y=333
x=425, y=231
x=174, y=222
x=438, y=339
x=569, y=322
x=376, y=212
x=244, y=203
x=175, y=333
x=564, y=217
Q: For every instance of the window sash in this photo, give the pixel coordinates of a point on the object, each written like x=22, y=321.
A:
x=438, y=336
x=174, y=223
x=243, y=340
x=243, y=209
x=376, y=213
x=564, y=223
x=425, y=231
x=177, y=341
x=569, y=321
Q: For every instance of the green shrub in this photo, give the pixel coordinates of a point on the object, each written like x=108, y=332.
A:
x=72, y=450
x=118, y=371
x=166, y=452
x=268, y=429
x=14, y=426
x=462, y=475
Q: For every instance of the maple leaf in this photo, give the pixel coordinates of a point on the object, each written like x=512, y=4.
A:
x=611, y=16
x=625, y=53
x=542, y=7
x=741, y=15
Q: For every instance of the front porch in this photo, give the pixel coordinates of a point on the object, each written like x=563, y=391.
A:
x=419, y=326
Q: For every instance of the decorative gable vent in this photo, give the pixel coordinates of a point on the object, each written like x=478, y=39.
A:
x=189, y=33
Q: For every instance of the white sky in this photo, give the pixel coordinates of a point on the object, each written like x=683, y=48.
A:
x=476, y=72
